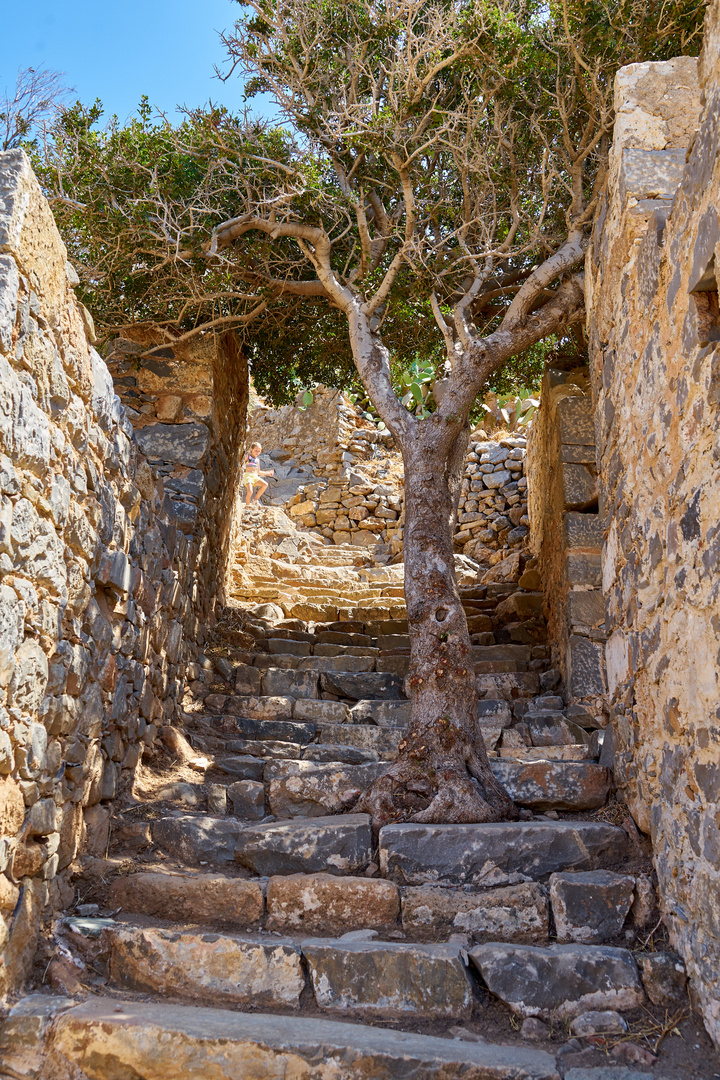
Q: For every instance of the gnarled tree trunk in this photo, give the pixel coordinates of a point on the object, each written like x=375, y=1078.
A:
x=442, y=773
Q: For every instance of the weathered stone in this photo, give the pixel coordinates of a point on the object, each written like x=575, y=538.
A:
x=580, y=490
x=220, y=968
x=248, y=680
x=326, y=905
x=586, y=666
x=554, y=785
x=156, y=1041
x=192, y=898
x=194, y=839
x=586, y=608
x=304, y=789
x=560, y=980
x=261, y=708
x=491, y=854
x=596, y=1022
x=294, y=684
x=650, y=174
x=270, y=727
x=248, y=799
x=590, y=907
x=553, y=729
x=577, y=421
x=663, y=976
x=386, y=714
x=515, y=913
x=394, y=980
x=326, y=712
x=344, y=663
x=360, y=686
x=244, y=768
x=334, y=845
x=185, y=444
x=582, y=531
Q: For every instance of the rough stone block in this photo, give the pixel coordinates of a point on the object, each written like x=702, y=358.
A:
x=271, y=727
x=157, y=1041
x=334, y=845
x=278, y=682
x=242, y=767
x=288, y=647
x=650, y=174
x=337, y=663
x=580, y=487
x=192, y=898
x=322, y=904
x=324, y=712
x=663, y=976
x=350, y=755
x=218, y=968
x=553, y=729
x=305, y=789
x=554, y=785
x=248, y=800
x=261, y=708
x=195, y=839
x=586, y=608
x=582, y=530
x=514, y=913
x=248, y=680
x=577, y=421
x=590, y=907
x=509, y=685
x=586, y=666
x=386, y=714
x=583, y=569
x=394, y=980
x=492, y=854
x=560, y=980
x=185, y=444
x=361, y=685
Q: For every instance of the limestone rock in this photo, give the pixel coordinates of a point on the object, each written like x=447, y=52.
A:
x=560, y=980
x=220, y=968
x=392, y=980
x=515, y=913
x=197, y=898
x=335, y=845
x=664, y=978
x=554, y=785
x=310, y=790
x=590, y=907
x=326, y=905
x=248, y=799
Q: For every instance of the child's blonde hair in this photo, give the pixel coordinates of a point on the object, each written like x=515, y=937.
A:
x=255, y=445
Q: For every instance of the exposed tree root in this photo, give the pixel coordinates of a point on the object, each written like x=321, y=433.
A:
x=440, y=777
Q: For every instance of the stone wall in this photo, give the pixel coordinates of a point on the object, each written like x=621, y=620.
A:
x=566, y=536
x=106, y=566
x=341, y=477
x=654, y=324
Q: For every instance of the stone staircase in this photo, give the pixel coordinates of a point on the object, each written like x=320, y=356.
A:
x=246, y=924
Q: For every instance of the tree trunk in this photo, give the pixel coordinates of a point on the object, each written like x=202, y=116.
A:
x=442, y=772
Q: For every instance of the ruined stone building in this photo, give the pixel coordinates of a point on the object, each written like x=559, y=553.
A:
x=122, y=536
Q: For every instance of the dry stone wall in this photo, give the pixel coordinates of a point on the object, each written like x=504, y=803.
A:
x=654, y=324
x=337, y=475
x=106, y=566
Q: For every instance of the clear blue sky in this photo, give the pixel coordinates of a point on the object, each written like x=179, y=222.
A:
x=120, y=51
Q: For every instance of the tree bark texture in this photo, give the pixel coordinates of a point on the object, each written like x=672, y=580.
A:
x=442, y=773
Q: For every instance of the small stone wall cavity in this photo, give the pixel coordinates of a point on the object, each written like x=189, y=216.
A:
x=108, y=566
x=566, y=536
x=654, y=324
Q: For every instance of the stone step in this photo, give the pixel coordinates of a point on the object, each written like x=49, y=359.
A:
x=560, y=981
x=335, y=845
x=497, y=853
x=365, y=736
x=104, y=1037
x=281, y=730
x=554, y=785
x=510, y=685
x=572, y=752
x=307, y=789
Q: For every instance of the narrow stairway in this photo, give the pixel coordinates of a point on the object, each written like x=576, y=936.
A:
x=243, y=923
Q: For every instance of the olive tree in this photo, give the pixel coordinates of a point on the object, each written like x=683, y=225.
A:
x=460, y=145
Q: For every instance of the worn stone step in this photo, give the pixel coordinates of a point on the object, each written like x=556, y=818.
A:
x=350, y=755
x=493, y=667
x=323, y=904
x=106, y=1038
x=266, y=748
x=335, y=845
x=497, y=853
x=386, y=627
x=219, y=969
x=365, y=736
x=554, y=785
x=362, y=685
x=319, y=711
x=335, y=637
x=572, y=752
x=281, y=730
x=340, y=664
x=395, y=665
x=394, y=980
x=500, y=653
x=190, y=897
x=306, y=789
x=196, y=838
x=346, y=650
x=293, y=683
x=386, y=714
x=560, y=981
x=510, y=685
x=519, y=913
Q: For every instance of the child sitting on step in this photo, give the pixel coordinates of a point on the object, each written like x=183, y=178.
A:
x=253, y=475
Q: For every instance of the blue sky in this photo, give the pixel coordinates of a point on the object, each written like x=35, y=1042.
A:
x=119, y=51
